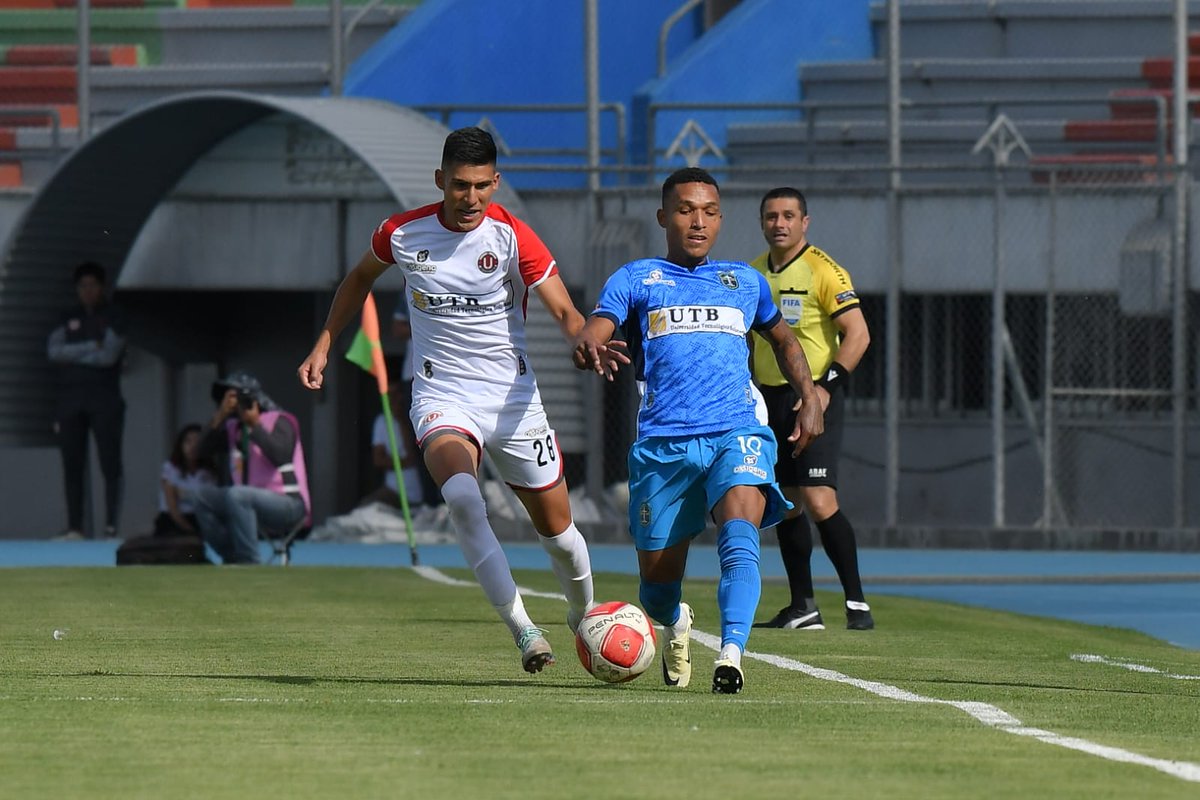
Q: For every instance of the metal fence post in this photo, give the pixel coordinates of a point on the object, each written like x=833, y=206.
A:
x=1183, y=126
x=83, y=94
x=892, y=367
x=1048, y=368
x=593, y=398
x=336, y=58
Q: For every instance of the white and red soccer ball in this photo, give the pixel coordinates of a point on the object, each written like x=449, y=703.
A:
x=615, y=642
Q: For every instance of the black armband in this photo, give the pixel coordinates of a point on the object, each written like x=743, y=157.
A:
x=835, y=376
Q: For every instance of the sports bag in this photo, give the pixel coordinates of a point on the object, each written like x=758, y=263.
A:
x=163, y=549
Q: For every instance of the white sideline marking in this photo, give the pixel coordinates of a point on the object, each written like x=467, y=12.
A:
x=1087, y=658
x=437, y=576
x=987, y=714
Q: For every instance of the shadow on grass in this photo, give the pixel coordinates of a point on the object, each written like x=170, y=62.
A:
x=1051, y=687
x=310, y=680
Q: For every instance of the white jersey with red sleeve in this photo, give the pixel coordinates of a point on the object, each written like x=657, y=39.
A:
x=467, y=295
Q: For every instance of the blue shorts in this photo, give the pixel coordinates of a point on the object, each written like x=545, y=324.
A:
x=675, y=481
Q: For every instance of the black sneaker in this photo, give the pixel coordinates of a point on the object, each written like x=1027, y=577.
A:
x=858, y=616
x=799, y=619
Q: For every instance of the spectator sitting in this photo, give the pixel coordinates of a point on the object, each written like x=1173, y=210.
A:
x=260, y=471
x=182, y=474
x=381, y=456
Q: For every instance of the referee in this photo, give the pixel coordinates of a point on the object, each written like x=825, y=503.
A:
x=818, y=302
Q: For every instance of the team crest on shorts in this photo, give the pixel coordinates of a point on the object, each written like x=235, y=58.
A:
x=422, y=256
x=430, y=417
x=728, y=280
x=644, y=514
x=488, y=262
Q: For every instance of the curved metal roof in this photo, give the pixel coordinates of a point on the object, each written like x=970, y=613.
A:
x=95, y=203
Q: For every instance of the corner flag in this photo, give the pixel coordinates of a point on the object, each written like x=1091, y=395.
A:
x=367, y=352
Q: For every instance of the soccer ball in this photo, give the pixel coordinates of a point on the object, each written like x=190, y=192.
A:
x=615, y=642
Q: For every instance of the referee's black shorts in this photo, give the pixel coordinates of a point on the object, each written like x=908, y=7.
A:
x=817, y=464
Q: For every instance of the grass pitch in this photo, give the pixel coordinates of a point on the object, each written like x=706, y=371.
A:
x=335, y=682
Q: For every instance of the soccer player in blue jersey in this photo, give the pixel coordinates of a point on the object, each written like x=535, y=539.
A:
x=703, y=446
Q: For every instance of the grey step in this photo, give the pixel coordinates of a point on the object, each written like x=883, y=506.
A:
x=926, y=70
x=1030, y=28
x=1082, y=84
x=866, y=142
x=116, y=91
x=266, y=34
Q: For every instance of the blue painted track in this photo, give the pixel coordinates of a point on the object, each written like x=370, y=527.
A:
x=1156, y=593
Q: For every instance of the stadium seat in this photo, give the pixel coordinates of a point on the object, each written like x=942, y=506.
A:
x=10, y=175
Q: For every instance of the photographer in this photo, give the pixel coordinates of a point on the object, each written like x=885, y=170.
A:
x=261, y=472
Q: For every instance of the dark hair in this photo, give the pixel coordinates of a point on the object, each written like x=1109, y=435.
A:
x=784, y=191
x=687, y=175
x=472, y=146
x=92, y=269
x=177, y=456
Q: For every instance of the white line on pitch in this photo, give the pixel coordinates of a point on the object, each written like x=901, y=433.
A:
x=985, y=713
x=1087, y=658
x=437, y=576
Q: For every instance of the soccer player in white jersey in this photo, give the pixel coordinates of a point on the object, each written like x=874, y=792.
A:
x=468, y=267
x=703, y=447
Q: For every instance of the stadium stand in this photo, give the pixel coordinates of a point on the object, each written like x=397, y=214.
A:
x=147, y=49
x=963, y=63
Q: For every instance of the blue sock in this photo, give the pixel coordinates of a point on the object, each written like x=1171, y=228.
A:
x=741, y=583
x=661, y=601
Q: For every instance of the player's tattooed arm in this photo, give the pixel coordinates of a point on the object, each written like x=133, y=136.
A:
x=810, y=419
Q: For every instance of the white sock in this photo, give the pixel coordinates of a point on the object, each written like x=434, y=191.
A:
x=482, y=550
x=572, y=566
x=731, y=652
x=514, y=615
x=681, y=624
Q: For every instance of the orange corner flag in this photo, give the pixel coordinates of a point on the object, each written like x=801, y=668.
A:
x=366, y=350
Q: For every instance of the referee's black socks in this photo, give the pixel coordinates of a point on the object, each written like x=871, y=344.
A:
x=837, y=537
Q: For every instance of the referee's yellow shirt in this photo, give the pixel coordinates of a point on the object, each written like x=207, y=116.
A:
x=811, y=291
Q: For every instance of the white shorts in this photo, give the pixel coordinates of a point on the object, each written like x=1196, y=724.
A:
x=519, y=438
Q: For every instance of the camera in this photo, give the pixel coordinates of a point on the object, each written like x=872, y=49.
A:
x=245, y=399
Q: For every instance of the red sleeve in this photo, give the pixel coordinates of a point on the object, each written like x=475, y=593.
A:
x=533, y=256
x=381, y=240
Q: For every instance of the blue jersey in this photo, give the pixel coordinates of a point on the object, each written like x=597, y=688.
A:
x=693, y=352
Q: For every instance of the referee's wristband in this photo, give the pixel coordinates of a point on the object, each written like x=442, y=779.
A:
x=835, y=376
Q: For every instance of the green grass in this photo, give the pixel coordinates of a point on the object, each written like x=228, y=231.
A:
x=314, y=682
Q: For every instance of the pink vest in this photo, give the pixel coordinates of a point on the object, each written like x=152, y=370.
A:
x=262, y=473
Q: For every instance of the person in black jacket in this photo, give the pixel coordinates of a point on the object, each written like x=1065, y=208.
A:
x=87, y=346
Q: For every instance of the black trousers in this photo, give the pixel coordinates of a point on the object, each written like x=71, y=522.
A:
x=103, y=414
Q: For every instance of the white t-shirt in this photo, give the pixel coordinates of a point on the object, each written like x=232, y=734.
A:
x=412, y=479
x=466, y=295
x=172, y=475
